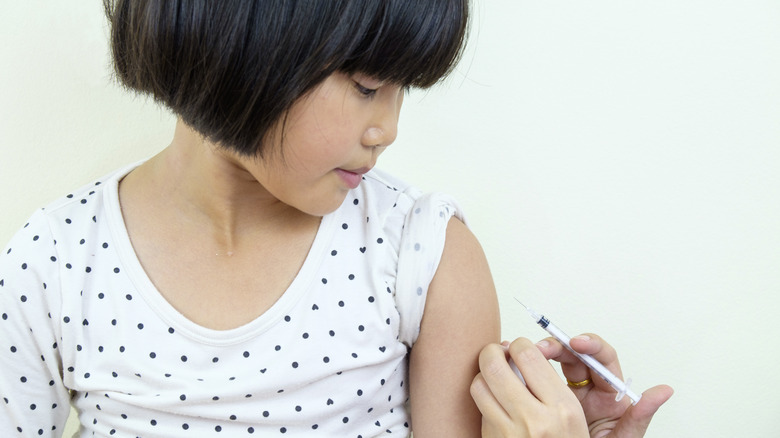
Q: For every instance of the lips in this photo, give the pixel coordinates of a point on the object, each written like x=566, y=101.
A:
x=352, y=177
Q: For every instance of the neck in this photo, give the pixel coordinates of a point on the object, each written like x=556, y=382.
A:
x=209, y=187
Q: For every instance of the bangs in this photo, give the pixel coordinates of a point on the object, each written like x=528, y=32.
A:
x=408, y=42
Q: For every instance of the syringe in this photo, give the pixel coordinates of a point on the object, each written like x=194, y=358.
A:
x=621, y=387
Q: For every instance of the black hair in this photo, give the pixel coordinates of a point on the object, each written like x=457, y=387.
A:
x=232, y=68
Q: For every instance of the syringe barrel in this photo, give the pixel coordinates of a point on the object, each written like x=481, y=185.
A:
x=590, y=361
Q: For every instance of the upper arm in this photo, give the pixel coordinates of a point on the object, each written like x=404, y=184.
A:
x=461, y=316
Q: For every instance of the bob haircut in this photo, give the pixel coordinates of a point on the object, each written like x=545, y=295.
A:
x=232, y=68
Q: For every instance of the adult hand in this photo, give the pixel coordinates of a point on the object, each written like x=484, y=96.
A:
x=605, y=416
x=546, y=407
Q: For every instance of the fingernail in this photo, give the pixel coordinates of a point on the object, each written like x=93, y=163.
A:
x=543, y=344
x=582, y=337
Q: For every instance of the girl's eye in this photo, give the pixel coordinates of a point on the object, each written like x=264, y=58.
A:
x=365, y=91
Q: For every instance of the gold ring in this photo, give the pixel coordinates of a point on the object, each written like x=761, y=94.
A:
x=579, y=384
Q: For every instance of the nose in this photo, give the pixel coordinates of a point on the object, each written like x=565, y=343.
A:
x=384, y=125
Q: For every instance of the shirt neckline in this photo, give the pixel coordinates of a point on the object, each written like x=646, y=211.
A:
x=183, y=325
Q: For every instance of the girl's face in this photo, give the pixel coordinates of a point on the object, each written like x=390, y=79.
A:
x=331, y=137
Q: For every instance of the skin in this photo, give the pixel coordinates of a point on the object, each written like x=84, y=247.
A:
x=196, y=211
x=547, y=407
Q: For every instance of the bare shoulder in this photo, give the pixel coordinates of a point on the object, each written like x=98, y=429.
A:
x=461, y=317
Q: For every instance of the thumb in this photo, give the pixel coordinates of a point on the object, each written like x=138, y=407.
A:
x=636, y=419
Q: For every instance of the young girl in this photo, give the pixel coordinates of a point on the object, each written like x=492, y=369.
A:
x=258, y=276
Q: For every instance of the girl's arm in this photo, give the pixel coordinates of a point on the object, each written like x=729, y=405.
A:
x=461, y=317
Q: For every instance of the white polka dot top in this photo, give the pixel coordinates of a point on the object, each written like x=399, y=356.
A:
x=82, y=324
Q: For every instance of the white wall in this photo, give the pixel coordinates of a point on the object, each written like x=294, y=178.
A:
x=619, y=162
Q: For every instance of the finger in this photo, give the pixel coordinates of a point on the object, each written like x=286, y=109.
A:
x=486, y=402
x=541, y=379
x=595, y=346
x=637, y=418
x=500, y=381
x=573, y=369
